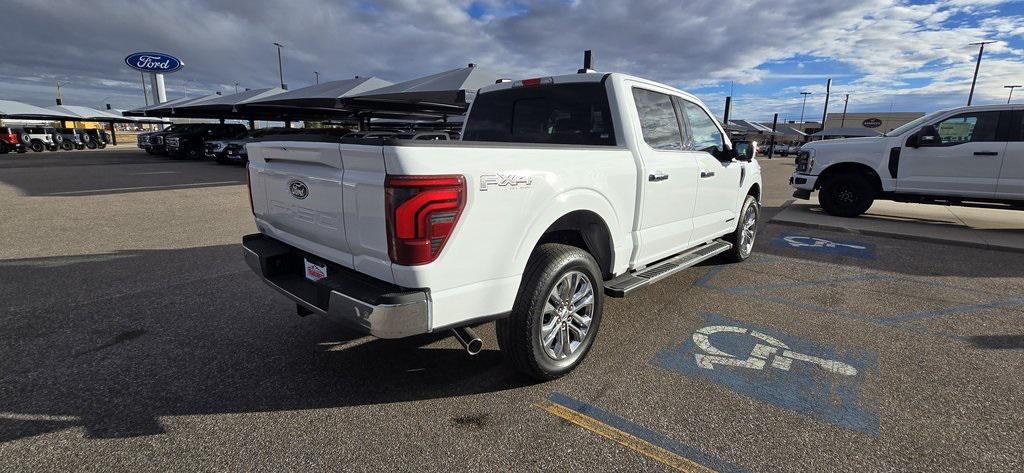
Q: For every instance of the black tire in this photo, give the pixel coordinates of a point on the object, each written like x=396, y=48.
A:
x=846, y=195
x=67, y=146
x=742, y=240
x=26, y=139
x=519, y=333
x=149, y=151
x=37, y=146
x=221, y=160
x=91, y=145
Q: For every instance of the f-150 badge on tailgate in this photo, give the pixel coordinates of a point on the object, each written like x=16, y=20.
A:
x=298, y=189
x=505, y=180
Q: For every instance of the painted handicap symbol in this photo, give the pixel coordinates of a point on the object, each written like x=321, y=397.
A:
x=823, y=245
x=798, y=241
x=760, y=354
x=777, y=368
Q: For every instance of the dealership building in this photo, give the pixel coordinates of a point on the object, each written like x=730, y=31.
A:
x=877, y=121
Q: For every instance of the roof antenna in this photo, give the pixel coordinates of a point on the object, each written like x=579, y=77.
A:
x=588, y=62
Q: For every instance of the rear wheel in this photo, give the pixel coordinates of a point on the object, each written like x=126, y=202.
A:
x=67, y=146
x=37, y=146
x=846, y=195
x=556, y=314
x=91, y=145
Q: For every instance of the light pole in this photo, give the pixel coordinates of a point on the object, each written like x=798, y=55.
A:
x=977, y=66
x=60, y=96
x=280, y=66
x=846, y=103
x=802, y=107
x=316, y=77
x=1011, y=87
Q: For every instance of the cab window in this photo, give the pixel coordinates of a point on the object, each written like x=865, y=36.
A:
x=658, y=120
x=968, y=127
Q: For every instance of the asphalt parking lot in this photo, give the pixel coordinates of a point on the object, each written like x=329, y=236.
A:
x=135, y=337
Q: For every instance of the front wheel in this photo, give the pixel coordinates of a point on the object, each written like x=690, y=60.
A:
x=37, y=146
x=67, y=146
x=743, y=237
x=90, y=145
x=846, y=195
x=556, y=314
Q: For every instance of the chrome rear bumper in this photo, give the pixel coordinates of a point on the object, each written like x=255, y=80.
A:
x=376, y=307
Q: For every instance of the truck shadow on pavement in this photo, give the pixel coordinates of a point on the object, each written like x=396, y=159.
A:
x=196, y=335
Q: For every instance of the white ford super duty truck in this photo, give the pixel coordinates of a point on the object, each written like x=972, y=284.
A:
x=971, y=156
x=562, y=190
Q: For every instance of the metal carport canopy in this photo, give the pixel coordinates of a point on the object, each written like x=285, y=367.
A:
x=227, y=106
x=142, y=111
x=87, y=114
x=326, y=96
x=12, y=109
x=447, y=92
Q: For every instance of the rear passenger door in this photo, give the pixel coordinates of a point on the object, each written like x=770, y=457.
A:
x=1011, y=176
x=716, y=206
x=669, y=177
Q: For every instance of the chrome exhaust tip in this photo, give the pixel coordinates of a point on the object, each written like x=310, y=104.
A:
x=467, y=337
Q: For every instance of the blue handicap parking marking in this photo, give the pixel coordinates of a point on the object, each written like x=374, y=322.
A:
x=788, y=372
x=854, y=249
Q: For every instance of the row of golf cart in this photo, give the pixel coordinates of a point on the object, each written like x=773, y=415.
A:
x=225, y=143
x=40, y=138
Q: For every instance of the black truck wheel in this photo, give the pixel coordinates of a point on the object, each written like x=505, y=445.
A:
x=37, y=146
x=556, y=315
x=91, y=144
x=846, y=195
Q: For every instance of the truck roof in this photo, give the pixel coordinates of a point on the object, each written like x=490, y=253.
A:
x=583, y=77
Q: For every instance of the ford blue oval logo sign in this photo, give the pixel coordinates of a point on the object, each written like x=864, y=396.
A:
x=158, y=63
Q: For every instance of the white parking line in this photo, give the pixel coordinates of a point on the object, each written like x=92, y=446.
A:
x=151, y=188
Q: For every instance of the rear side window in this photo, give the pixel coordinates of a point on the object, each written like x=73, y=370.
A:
x=575, y=114
x=658, y=120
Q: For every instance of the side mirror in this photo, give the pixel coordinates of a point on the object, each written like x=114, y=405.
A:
x=744, y=150
x=928, y=136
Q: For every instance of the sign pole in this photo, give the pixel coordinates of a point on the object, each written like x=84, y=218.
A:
x=159, y=91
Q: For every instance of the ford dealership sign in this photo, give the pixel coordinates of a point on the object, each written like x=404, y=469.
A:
x=158, y=63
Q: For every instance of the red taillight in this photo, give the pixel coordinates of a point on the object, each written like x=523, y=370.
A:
x=11, y=138
x=421, y=212
x=248, y=186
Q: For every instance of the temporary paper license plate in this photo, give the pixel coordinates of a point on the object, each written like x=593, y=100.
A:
x=314, y=272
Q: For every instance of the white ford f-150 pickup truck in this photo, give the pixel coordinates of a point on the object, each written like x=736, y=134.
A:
x=562, y=190
x=971, y=156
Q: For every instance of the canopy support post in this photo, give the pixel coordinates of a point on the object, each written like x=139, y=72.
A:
x=252, y=124
x=113, y=134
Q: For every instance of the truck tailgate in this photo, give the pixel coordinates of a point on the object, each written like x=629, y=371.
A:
x=303, y=195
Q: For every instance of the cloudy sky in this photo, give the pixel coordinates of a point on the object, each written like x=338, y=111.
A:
x=887, y=54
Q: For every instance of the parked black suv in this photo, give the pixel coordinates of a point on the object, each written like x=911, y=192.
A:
x=94, y=138
x=154, y=143
x=191, y=143
x=72, y=139
x=231, y=150
x=10, y=140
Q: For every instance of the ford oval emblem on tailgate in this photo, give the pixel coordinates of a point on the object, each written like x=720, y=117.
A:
x=298, y=189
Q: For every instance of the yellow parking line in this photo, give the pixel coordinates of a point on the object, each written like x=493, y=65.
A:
x=639, y=445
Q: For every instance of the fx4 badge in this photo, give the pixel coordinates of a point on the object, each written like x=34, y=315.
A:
x=513, y=181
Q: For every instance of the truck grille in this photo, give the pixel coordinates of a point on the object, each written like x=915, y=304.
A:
x=172, y=142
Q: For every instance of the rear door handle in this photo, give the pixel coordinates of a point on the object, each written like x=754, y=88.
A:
x=986, y=153
x=657, y=176
x=707, y=174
